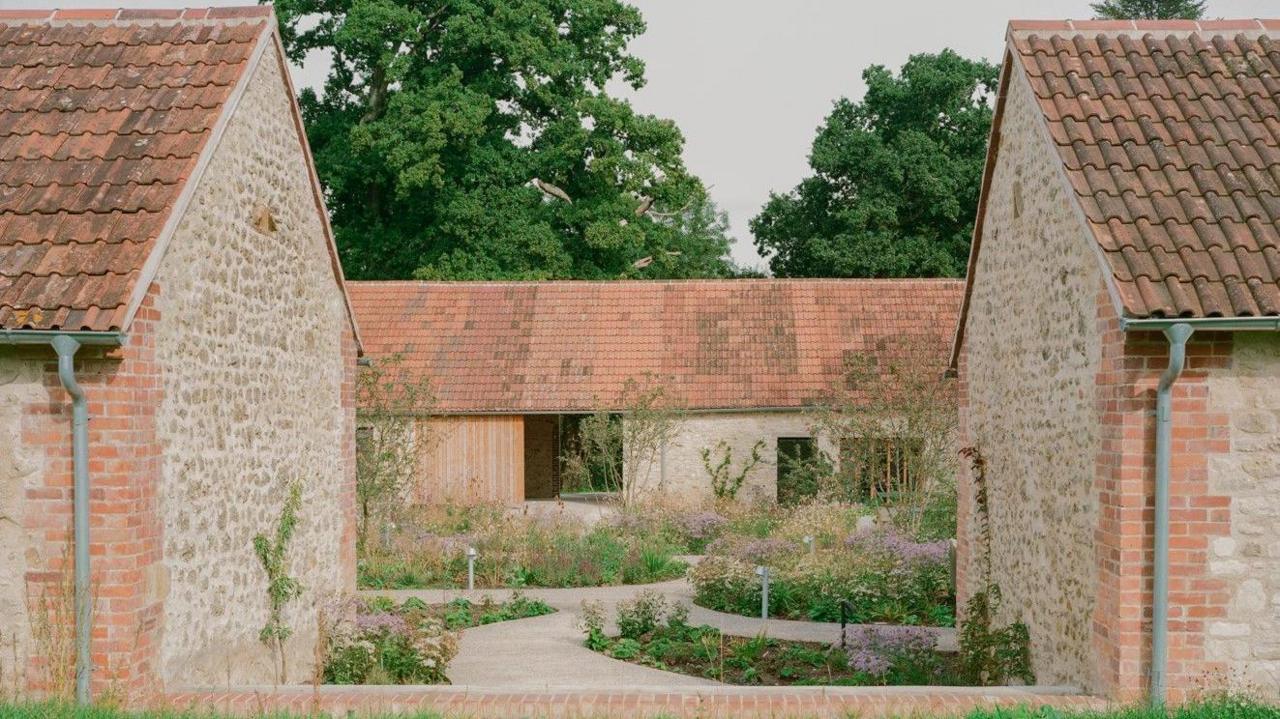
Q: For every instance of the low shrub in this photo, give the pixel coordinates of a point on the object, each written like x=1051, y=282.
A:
x=462, y=613
x=367, y=644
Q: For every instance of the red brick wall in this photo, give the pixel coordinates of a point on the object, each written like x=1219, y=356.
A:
x=348, y=551
x=1125, y=483
x=123, y=389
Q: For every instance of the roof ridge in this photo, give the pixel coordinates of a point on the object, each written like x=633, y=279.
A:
x=134, y=15
x=1122, y=26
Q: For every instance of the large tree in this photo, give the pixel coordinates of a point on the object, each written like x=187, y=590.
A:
x=475, y=139
x=895, y=177
x=1150, y=9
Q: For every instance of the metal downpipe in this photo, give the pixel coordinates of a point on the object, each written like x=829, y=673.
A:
x=66, y=347
x=1177, y=335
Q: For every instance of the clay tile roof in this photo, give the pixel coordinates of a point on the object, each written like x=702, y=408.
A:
x=712, y=344
x=1170, y=135
x=103, y=115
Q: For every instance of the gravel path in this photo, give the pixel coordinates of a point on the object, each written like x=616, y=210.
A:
x=547, y=653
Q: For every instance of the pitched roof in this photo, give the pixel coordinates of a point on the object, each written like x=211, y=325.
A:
x=106, y=120
x=1169, y=134
x=712, y=344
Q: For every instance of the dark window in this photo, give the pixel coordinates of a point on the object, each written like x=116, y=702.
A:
x=797, y=479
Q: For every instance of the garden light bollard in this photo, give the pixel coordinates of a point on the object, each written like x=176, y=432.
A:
x=763, y=572
x=808, y=543
x=471, y=568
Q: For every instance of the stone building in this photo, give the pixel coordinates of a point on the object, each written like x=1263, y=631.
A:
x=514, y=366
x=165, y=255
x=1130, y=202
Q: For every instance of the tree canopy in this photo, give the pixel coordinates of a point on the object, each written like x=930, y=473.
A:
x=477, y=139
x=895, y=177
x=1150, y=9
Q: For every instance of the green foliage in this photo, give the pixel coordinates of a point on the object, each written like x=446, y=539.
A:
x=725, y=482
x=989, y=655
x=479, y=139
x=592, y=623
x=895, y=180
x=462, y=613
x=1149, y=9
x=281, y=588
x=641, y=615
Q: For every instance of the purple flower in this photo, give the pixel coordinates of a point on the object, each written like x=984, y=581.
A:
x=875, y=649
x=760, y=551
x=381, y=622
x=870, y=663
x=702, y=525
x=902, y=550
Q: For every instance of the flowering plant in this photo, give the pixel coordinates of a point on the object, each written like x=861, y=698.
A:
x=894, y=654
x=367, y=645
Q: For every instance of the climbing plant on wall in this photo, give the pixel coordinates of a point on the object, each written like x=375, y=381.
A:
x=281, y=588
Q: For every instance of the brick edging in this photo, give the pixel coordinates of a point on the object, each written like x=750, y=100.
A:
x=702, y=701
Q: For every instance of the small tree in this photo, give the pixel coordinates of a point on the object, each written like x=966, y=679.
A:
x=281, y=588
x=388, y=437
x=725, y=483
x=1149, y=9
x=894, y=423
x=620, y=448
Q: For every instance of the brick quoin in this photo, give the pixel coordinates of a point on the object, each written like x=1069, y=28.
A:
x=1125, y=487
x=123, y=390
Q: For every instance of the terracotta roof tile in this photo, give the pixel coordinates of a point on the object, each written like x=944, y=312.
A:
x=1170, y=134
x=571, y=346
x=103, y=114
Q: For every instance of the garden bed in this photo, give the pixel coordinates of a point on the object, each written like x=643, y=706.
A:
x=377, y=641
x=428, y=550
x=658, y=635
x=884, y=576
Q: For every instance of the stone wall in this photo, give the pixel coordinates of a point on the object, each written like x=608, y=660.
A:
x=1246, y=640
x=679, y=471
x=251, y=343
x=21, y=470
x=1032, y=353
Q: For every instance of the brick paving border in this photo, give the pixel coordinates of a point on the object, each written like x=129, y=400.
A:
x=861, y=702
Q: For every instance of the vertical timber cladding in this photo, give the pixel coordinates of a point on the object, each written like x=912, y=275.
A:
x=541, y=445
x=470, y=459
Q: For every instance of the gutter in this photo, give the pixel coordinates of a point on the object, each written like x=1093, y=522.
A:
x=66, y=344
x=1177, y=331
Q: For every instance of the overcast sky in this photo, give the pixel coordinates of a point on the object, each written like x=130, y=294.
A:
x=749, y=81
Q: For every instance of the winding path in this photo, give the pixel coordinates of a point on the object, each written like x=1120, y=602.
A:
x=547, y=652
